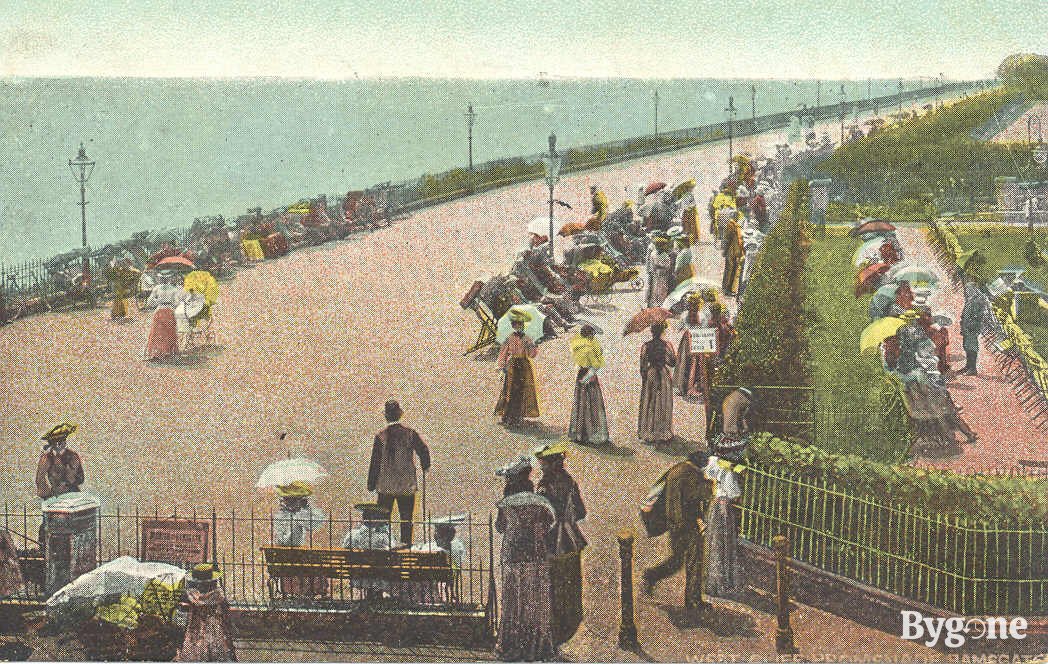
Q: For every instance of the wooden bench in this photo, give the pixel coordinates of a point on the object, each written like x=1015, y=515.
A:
x=401, y=569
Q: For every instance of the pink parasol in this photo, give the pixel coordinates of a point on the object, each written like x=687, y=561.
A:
x=653, y=187
x=645, y=318
x=175, y=263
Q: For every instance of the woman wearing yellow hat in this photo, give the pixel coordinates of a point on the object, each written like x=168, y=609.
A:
x=519, y=397
x=293, y=525
x=209, y=635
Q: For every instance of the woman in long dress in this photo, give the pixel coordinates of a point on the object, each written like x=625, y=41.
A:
x=660, y=270
x=519, y=397
x=657, y=359
x=724, y=578
x=589, y=421
x=10, y=569
x=209, y=635
x=691, y=376
x=292, y=525
x=565, y=540
x=524, y=517
x=163, y=335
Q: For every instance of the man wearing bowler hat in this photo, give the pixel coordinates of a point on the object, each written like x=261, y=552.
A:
x=392, y=474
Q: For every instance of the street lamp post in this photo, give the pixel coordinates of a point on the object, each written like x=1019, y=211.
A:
x=551, y=164
x=471, y=117
x=843, y=99
x=900, y=97
x=730, y=110
x=753, y=105
x=656, y=115
x=82, y=168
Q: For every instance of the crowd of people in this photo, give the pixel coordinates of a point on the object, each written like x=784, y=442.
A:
x=914, y=341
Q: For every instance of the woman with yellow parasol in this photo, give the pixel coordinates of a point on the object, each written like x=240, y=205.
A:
x=519, y=397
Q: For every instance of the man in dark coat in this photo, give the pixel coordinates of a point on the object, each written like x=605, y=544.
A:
x=974, y=317
x=392, y=471
x=687, y=494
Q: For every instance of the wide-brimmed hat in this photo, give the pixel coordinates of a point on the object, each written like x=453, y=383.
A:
x=297, y=489
x=515, y=467
x=59, y=432
x=550, y=451
x=519, y=316
x=206, y=572
x=373, y=510
x=728, y=447
x=449, y=520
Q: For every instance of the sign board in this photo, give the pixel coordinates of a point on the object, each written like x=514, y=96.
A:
x=175, y=541
x=703, y=339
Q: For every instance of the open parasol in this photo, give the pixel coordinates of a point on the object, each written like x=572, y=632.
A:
x=868, y=279
x=175, y=263
x=872, y=226
x=286, y=471
x=532, y=328
x=877, y=331
x=682, y=188
x=653, y=187
x=203, y=283
x=684, y=288
x=916, y=274
x=645, y=318
x=571, y=228
x=595, y=268
x=540, y=226
x=869, y=249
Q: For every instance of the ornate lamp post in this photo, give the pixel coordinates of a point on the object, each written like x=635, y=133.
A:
x=82, y=168
x=551, y=164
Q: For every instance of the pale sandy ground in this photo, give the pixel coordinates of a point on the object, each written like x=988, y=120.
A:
x=1006, y=433
x=315, y=343
x=1017, y=131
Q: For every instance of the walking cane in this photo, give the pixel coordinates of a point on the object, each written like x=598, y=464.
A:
x=425, y=519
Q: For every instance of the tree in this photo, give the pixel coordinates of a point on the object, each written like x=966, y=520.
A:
x=1026, y=71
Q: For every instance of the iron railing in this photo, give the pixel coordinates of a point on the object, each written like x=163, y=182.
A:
x=965, y=566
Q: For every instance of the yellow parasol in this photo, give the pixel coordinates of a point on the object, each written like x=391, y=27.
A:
x=595, y=268
x=877, y=331
x=201, y=282
x=682, y=188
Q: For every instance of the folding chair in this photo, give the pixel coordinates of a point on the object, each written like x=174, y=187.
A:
x=486, y=336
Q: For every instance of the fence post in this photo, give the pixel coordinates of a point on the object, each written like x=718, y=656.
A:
x=783, y=631
x=627, y=627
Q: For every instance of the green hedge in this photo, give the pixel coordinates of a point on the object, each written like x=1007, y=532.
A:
x=1013, y=500
x=771, y=348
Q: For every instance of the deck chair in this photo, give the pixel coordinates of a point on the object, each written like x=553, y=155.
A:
x=486, y=336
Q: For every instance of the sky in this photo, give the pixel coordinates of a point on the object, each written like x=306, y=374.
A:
x=337, y=39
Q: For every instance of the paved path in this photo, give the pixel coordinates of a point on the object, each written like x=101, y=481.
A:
x=1019, y=131
x=989, y=406
x=315, y=343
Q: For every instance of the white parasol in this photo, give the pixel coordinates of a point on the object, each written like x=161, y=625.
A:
x=286, y=471
x=685, y=287
x=540, y=226
x=532, y=329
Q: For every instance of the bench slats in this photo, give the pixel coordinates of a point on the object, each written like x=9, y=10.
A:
x=290, y=562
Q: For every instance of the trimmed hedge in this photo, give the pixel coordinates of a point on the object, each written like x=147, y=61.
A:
x=1021, y=501
x=771, y=349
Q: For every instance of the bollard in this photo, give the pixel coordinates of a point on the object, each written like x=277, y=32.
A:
x=627, y=628
x=783, y=632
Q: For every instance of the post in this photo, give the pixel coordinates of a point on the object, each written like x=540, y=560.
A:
x=83, y=215
x=731, y=134
x=753, y=106
x=900, y=96
x=783, y=631
x=470, y=119
x=656, y=115
x=627, y=627
x=842, y=115
x=818, y=94
x=551, y=222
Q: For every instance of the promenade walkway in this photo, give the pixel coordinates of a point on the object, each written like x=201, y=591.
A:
x=315, y=343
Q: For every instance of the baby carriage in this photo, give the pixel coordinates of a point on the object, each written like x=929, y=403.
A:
x=194, y=315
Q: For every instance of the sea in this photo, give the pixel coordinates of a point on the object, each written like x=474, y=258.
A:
x=170, y=150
